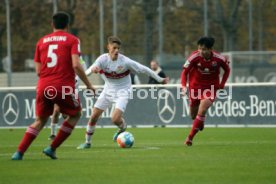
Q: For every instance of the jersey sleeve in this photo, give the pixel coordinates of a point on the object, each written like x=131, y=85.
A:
x=139, y=68
x=186, y=70
x=75, y=49
x=97, y=63
x=226, y=68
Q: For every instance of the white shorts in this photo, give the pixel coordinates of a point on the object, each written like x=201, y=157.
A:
x=104, y=101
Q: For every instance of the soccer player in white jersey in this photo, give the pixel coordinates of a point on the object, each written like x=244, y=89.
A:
x=56, y=112
x=115, y=69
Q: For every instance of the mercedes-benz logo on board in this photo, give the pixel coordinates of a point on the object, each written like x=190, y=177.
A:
x=10, y=109
x=166, y=106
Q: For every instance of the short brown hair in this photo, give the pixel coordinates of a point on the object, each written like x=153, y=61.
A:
x=114, y=39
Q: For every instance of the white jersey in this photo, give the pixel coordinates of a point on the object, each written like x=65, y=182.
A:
x=116, y=74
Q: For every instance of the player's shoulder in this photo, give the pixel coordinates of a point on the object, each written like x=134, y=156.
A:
x=123, y=57
x=71, y=36
x=59, y=35
x=218, y=56
x=42, y=39
x=102, y=57
x=194, y=56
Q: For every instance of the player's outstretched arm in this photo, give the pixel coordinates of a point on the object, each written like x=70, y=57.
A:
x=139, y=68
x=93, y=69
x=165, y=80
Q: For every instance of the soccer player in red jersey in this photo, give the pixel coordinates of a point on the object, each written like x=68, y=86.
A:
x=57, y=62
x=202, y=68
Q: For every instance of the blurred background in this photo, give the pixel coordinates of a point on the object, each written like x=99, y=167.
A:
x=165, y=30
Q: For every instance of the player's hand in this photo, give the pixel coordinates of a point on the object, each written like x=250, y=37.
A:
x=165, y=80
x=184, y=91
x=96, y=70
x=91, y=88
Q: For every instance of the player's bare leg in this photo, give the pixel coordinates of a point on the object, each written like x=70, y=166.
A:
x=54, y=122
x=118, y=120
x=193, y=114
x=198, y=123
x=194, y=111
x=30, y=134
x=90, y=128
x=64, y=132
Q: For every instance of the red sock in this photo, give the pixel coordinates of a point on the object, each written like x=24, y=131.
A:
x=63, y=133
x=198, y=124
x=27, y=140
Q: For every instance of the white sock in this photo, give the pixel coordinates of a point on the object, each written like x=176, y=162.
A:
x=123, y=125
x=90, y=129
x=53, y=129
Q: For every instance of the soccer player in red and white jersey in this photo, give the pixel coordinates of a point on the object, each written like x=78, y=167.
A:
x=57, y=61
x=115, y=69
x=202, y=69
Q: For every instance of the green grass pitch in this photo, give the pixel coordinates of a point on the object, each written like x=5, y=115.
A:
x=219, y=155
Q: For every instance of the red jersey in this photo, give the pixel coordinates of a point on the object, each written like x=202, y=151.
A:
x=54, y=52
x=203, y=73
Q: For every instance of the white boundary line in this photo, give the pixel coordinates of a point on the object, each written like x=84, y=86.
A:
x=167, y=126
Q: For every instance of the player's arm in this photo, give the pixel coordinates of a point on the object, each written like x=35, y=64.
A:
x=139, y=68
x=37, y=68
x=95, y=67
x=184, y=75
x=136, y=80
x=37, y=60
x=83, y=64
x=80, y=72
x=226, y=68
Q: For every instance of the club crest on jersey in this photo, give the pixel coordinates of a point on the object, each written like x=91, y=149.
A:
x=206, y=70
x=120, y=68
x=214, y=63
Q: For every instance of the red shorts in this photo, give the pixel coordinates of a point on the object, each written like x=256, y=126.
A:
x=195, y=95
x=68, y=103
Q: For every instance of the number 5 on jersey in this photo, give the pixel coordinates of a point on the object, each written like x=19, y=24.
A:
x=52, y=55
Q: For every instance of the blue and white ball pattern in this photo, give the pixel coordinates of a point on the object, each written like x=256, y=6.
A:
x=125, y=140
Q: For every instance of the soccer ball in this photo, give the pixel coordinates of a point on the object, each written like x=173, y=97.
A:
x=125, y=140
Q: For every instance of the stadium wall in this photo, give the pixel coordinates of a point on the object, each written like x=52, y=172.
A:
x=240, y=105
